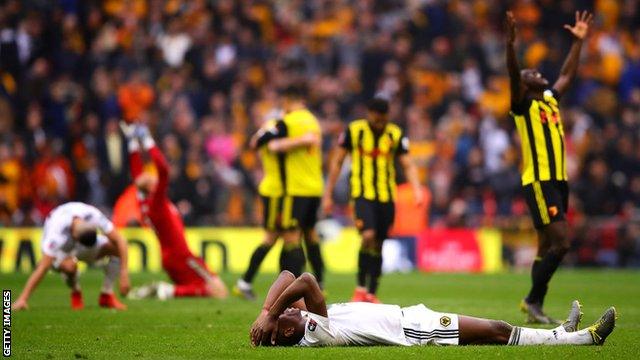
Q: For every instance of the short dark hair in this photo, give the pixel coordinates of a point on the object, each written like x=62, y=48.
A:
x=378, y=105
x=88, y=238
x=294, y=91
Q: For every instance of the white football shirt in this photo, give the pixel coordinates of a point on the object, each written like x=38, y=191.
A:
x=56, y=238
x=353, y=324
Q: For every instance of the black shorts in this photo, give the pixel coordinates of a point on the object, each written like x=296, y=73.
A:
x=375, y=215
x=305, y=210
x=548, y=201
x=289, y=212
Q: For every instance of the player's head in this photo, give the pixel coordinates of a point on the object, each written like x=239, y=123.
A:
x=291, y=95
x=378, y=114
x=290, y=327
x=146, y=183
x=533, y=80
x=83, y=232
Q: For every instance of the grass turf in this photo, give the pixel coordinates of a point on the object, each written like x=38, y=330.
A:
x=203, y=328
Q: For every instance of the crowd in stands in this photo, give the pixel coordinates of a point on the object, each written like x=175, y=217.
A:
x=206, y=74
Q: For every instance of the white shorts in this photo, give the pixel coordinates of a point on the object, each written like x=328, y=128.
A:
x=423, y=326
x=88, y=254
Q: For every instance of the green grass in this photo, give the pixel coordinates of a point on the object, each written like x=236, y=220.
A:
x=202, y=328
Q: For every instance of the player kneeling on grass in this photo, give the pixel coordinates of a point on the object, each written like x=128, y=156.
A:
x=70, y=234
x=189, y=274
x=295, y=313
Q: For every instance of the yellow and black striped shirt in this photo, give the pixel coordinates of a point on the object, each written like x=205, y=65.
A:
x=271, y=184
x=297, y=172
x=542, y=138
x=373, y=173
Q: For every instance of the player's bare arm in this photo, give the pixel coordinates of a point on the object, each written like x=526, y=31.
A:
x=33, y=281
x=335, y=165
x=517, y=88
x=306, y=287
x=579, y=31
x=412, y=176
x=283, y=281
x=122, y=252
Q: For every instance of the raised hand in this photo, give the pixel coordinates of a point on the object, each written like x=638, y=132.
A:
x=510, y=27
x=127, y=129
x=581, y=28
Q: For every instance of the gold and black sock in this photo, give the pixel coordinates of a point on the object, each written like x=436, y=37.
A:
x=315, y=259
x=541, y=273
x=364, y=261
x=292, y=259
x=375, y=271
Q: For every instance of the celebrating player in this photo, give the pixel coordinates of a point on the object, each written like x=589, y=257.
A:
x=374, y=144
x=189, y=273
x=71, y=234
x=535, y=109
x=295, y=313
x=290, y=189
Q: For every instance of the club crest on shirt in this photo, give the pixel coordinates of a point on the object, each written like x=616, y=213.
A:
x=553, y=211
x=311, y=325
x=445, y=321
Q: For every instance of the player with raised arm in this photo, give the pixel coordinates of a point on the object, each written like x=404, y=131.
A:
x=189, y=274
x=71, y=234
x=295, y=313
x=535, y=110
x=374, y=145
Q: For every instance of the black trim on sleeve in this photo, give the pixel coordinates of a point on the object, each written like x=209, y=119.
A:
x=345, y=140
x=279, y=131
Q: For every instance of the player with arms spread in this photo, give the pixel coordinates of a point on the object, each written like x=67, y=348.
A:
x=535, y=110
x=189, y=273
x=71, y=234
x=295, y=313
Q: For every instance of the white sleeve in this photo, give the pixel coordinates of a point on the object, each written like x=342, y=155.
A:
x=51, y=246
x=101, y=221
x=317, y=332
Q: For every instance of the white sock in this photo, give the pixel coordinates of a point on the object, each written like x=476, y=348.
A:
x=243, y=285
x=557, y=336
x=111, y=272
x=72, y=281
x=165, y=290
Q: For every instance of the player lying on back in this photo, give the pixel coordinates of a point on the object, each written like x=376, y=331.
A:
x=189, y=274
x=71, y=234
x=295, y=313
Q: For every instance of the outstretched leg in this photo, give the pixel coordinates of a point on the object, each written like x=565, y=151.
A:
x=475, y=331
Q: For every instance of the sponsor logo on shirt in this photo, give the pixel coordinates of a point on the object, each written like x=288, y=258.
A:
x=312, y=325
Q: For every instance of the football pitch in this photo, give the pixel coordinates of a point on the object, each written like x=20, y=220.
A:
x=203, y=328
